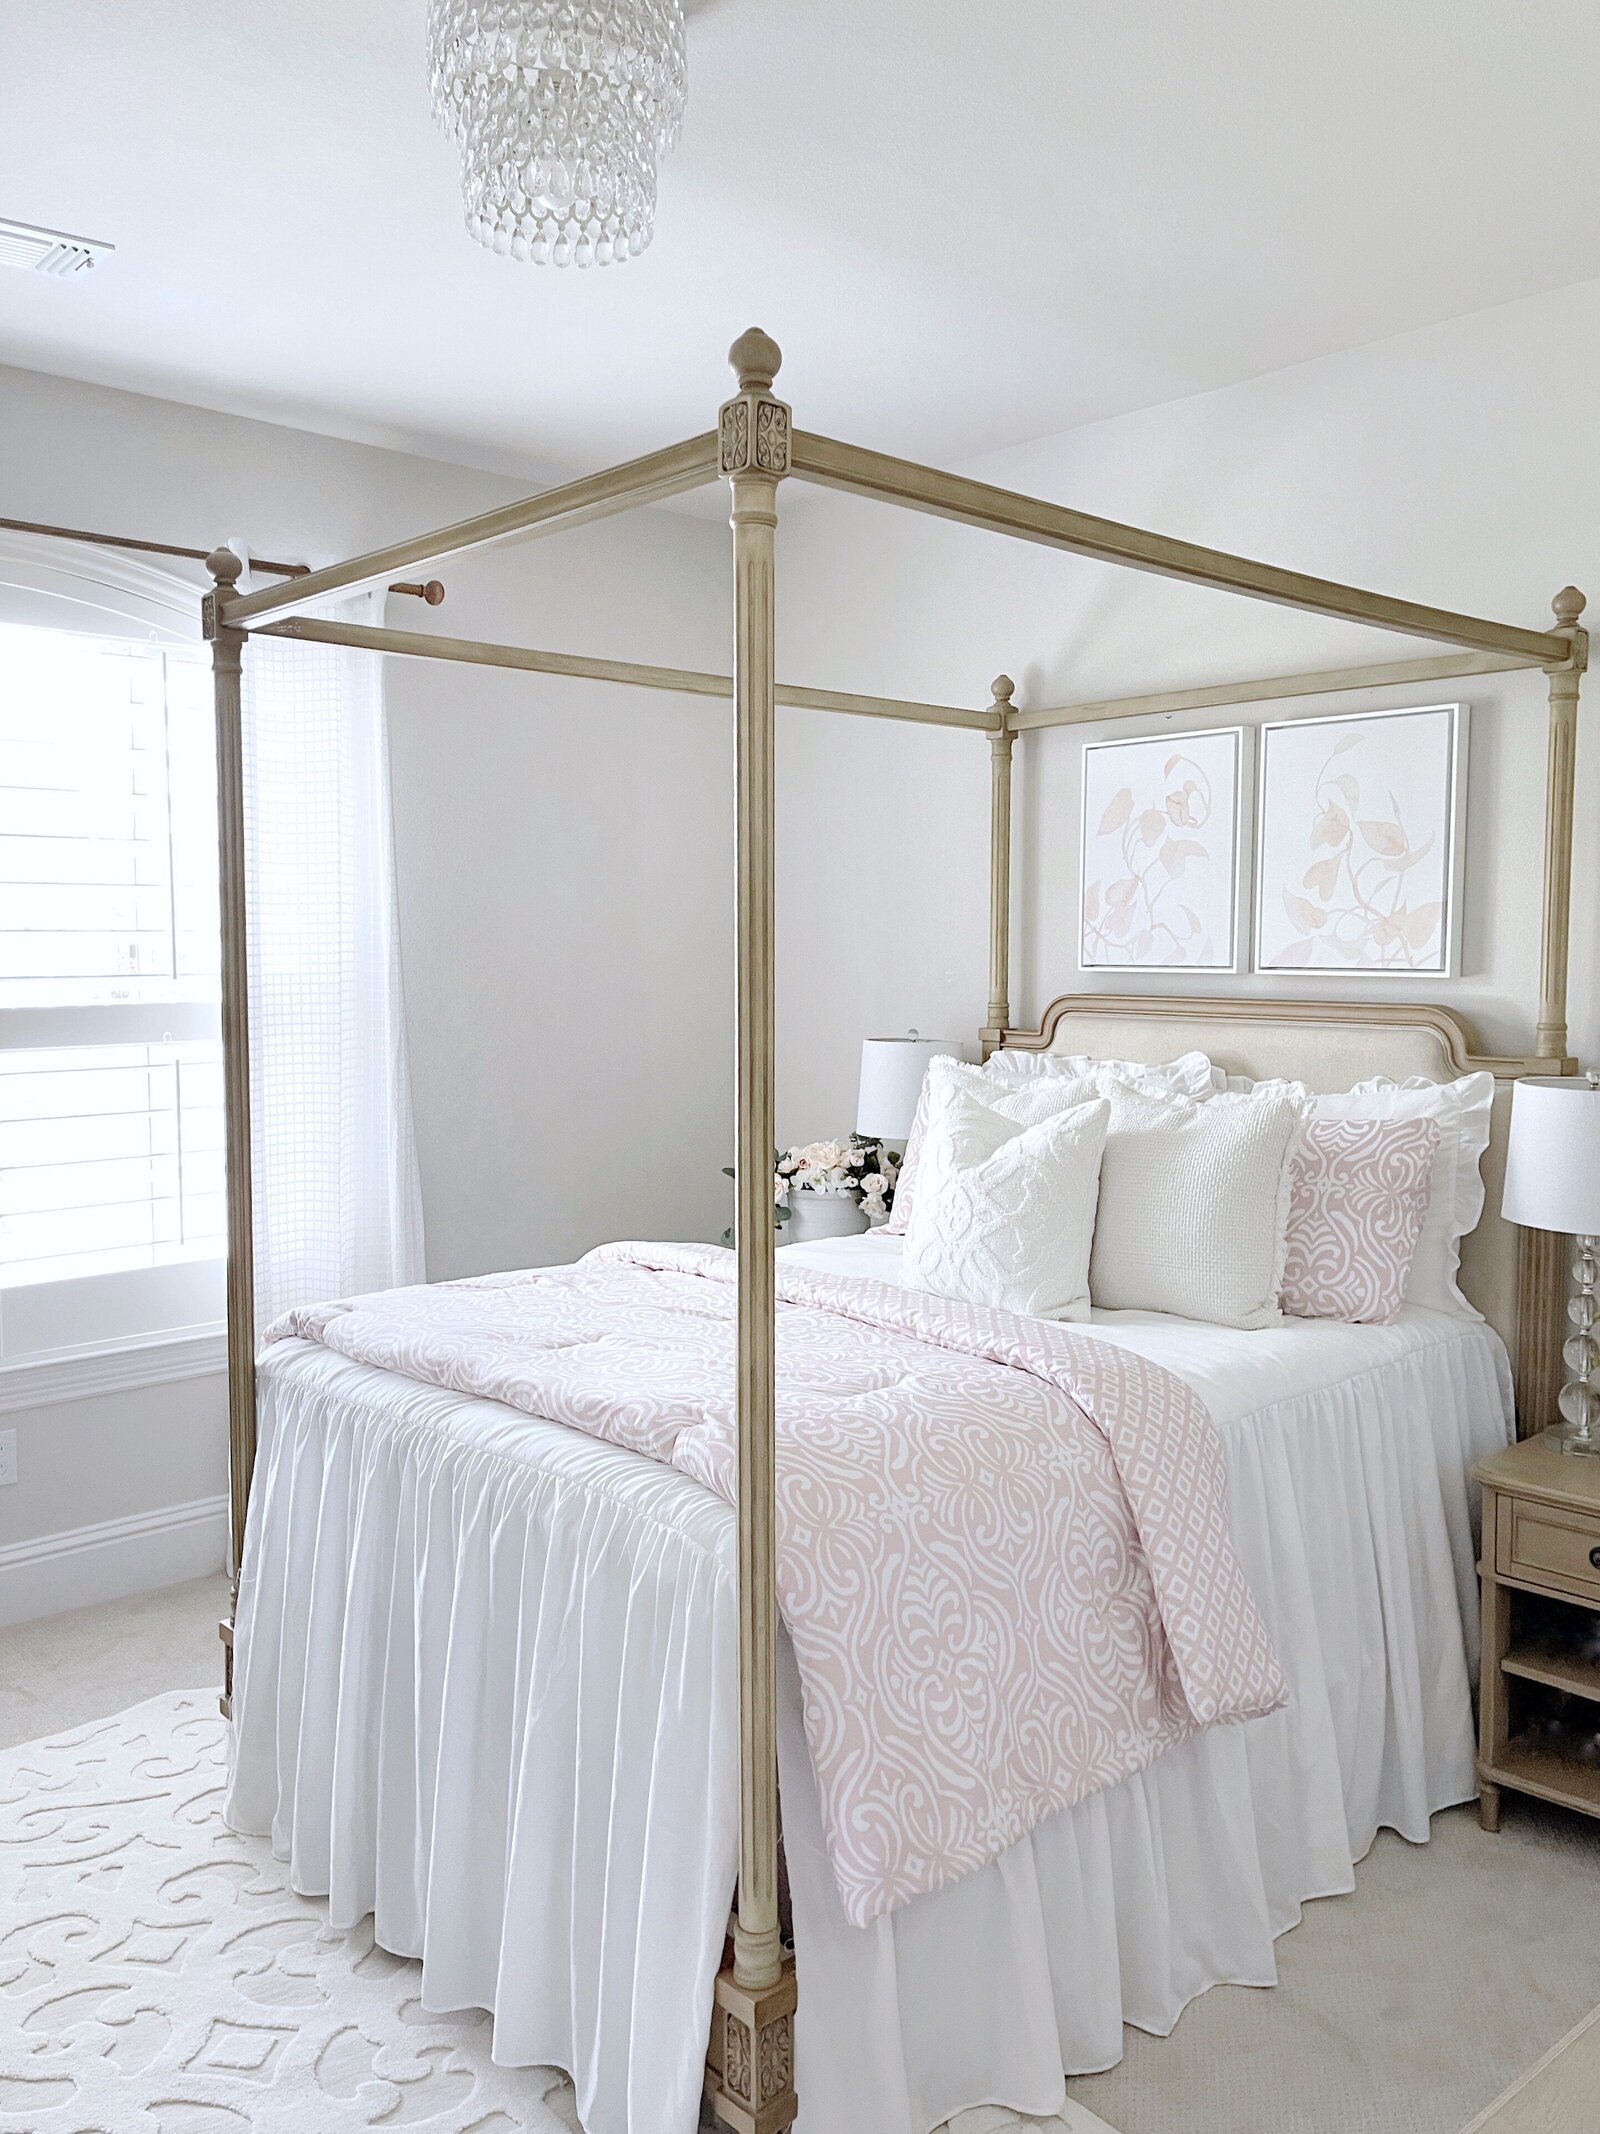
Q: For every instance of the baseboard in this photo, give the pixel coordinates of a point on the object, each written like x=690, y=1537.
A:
x=113, y=1559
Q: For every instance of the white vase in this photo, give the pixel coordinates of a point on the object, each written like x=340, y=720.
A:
x=814, y=1215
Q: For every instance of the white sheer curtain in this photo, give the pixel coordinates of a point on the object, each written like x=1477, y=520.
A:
x=337, y=1204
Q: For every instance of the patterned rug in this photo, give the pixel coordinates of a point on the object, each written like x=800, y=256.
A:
x=159, y=1976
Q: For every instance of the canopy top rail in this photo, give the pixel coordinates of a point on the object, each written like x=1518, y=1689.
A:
x=1270, y=689
x=671, y=472
x=686, y=681
x=832, y=465
x=876, y=475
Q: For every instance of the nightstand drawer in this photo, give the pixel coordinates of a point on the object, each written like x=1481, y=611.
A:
x=1547, y=1543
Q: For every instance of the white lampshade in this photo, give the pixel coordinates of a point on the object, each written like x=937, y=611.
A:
x=891, y=1081
x=1553, y=1160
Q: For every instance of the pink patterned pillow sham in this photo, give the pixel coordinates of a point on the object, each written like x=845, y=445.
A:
x=1358, y=1201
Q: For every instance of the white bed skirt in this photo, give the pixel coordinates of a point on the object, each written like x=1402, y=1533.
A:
x=485, y=1689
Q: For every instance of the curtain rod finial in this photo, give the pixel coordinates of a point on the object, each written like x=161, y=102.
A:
x=756, y=359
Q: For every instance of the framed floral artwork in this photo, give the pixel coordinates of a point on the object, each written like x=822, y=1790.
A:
x=1162, y=883
x=1359, y=843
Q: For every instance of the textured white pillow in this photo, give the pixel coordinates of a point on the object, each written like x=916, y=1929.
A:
x=1461, y=1110
x=1191, y=1075
x=1194, y=1206
x=1004, y=1213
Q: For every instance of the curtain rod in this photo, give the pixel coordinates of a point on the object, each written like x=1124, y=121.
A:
x=432, y=592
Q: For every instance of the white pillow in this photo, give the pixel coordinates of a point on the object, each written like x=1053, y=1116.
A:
x=1004, y=1213
x=1194, y=1206
x=1190, y=1075
x=1461, y=1110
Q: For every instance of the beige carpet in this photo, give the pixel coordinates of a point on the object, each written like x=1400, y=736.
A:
x=65, y=1669
x=1403, y=2009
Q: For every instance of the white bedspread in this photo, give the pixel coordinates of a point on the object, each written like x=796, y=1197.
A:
x=550, y=1620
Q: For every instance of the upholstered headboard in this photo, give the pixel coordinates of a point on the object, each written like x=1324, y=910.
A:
x=1511, y=1275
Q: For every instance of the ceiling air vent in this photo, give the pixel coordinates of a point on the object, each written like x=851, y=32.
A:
x=25, y=245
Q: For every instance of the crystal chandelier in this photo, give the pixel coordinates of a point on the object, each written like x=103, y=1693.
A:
x=559, y=113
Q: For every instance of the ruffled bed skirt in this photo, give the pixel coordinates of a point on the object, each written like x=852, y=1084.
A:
x=485, y=1689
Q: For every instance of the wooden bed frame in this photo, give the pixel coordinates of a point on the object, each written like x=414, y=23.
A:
x=754, y=447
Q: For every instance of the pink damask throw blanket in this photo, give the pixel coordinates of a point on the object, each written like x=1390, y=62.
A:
x=1003, y=1550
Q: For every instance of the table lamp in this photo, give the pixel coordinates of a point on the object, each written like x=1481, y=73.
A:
x=892, y=1069
x=1553, y=1183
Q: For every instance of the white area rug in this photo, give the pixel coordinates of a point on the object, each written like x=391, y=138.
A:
x=159, y=1976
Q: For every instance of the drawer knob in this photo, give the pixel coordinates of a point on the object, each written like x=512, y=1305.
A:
x=1594, y=1557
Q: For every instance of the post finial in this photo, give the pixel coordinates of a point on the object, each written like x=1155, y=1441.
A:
x=1002, y=688
x=756, y=359
x=224, y=564
x=1568, y=605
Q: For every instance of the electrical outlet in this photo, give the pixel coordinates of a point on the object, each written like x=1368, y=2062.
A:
x=8, y=1457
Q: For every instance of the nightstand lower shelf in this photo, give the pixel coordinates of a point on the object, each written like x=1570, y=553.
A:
x=1554, y=1670
x=1528, y=1766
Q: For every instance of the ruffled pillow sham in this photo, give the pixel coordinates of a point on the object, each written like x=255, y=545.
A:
x=1358, y=1200
x=1461, y=1111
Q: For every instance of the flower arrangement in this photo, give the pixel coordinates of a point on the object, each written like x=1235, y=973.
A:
x=860, y=1168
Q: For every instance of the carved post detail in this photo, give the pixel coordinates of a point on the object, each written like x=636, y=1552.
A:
x=1550, y=1040
x=227, y=649
x=755, y=2000
x=1001, y=743
x=752, y=2055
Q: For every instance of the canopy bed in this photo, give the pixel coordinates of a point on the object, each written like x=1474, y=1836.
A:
x=344, y=1389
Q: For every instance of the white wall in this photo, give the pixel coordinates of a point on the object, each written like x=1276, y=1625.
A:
x=1459, y=465
x=564, y=857
x=564, y=867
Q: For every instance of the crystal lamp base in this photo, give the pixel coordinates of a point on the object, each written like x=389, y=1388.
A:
x=1579, y=1428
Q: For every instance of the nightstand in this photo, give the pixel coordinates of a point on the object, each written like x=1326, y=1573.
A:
x=1540, y=1573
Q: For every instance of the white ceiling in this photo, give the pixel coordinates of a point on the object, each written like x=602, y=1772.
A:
x=969, y=222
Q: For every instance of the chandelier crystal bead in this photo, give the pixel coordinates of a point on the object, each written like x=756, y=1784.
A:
x=560, y=114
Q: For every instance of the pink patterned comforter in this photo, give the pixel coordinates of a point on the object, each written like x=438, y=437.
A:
x=1003, y=1550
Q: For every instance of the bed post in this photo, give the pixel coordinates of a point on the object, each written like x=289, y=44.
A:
x=1542, y=1255
x=227, y=650
x=751, y=2060
x=1550, y=1042
x=1002, y=741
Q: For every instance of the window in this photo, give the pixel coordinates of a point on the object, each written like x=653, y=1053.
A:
x=111, y=1187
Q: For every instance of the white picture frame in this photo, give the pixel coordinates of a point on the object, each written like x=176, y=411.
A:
x=1360, y=822
x=1163, y=870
